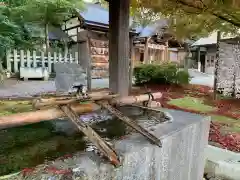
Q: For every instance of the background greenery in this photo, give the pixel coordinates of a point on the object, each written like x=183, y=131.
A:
x=167, y=73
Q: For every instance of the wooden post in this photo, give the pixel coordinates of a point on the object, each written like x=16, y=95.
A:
x=216, y=66
x=119, y=46
x=89, y=65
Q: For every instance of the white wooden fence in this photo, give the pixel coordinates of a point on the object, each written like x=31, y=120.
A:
x=21, y=58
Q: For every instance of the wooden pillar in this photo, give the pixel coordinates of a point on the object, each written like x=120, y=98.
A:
x=89, y=64
x=84, y=55
x=198, y=59
x=119, y=46
x=146, y=49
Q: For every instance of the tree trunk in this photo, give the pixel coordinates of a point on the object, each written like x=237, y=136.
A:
x=186, y=59
x=216, y=66
x=46, y=38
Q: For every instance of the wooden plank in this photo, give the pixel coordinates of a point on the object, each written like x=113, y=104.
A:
x=109, y=152
x=130, y=123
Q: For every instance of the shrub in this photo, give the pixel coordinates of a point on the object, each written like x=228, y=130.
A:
x=182, y=77
x=167, y=73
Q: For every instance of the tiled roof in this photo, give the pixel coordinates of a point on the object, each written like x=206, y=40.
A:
x=96, y=13
x=211, y=39
x=152, y=29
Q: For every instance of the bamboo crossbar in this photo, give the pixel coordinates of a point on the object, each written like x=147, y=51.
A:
x=54, y=112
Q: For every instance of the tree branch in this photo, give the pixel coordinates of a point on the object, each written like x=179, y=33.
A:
x=210, y=12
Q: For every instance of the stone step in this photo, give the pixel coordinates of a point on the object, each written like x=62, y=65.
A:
x=222, y=163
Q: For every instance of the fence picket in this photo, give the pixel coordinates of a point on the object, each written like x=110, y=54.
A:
x=70, y=58
x=65, y=57
x=49, y=62
x=8, y=57
x=15, y=61
x=59, y=57
x=28, y=59
x=54, y=57
x=22, y=58
x=32, y=59
x=42, y=59
x=76, y=57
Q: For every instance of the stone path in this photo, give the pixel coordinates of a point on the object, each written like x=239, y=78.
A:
x=29, y=88
x=201, y=78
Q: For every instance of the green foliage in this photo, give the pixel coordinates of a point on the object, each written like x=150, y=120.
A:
x=193, y=19
x=52, y=12
x=167, y=73
x=183, y=77
x=23, y=21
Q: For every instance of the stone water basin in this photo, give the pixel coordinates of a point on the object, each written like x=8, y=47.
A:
x=184, y=138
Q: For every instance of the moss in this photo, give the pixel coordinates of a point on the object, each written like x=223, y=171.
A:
x=35, y=154
x=191, y=103
x=233, y=124
x=12, y=107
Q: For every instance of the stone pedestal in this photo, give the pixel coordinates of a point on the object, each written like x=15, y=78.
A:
x=180, y=158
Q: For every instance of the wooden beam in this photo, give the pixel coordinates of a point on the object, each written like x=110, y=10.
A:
x=119, y=46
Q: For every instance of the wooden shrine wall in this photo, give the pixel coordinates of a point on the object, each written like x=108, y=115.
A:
x=99, y=56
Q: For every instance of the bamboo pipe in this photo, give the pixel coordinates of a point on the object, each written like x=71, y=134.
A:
x=54, y=113
x=38, y=103
x=42, y=115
